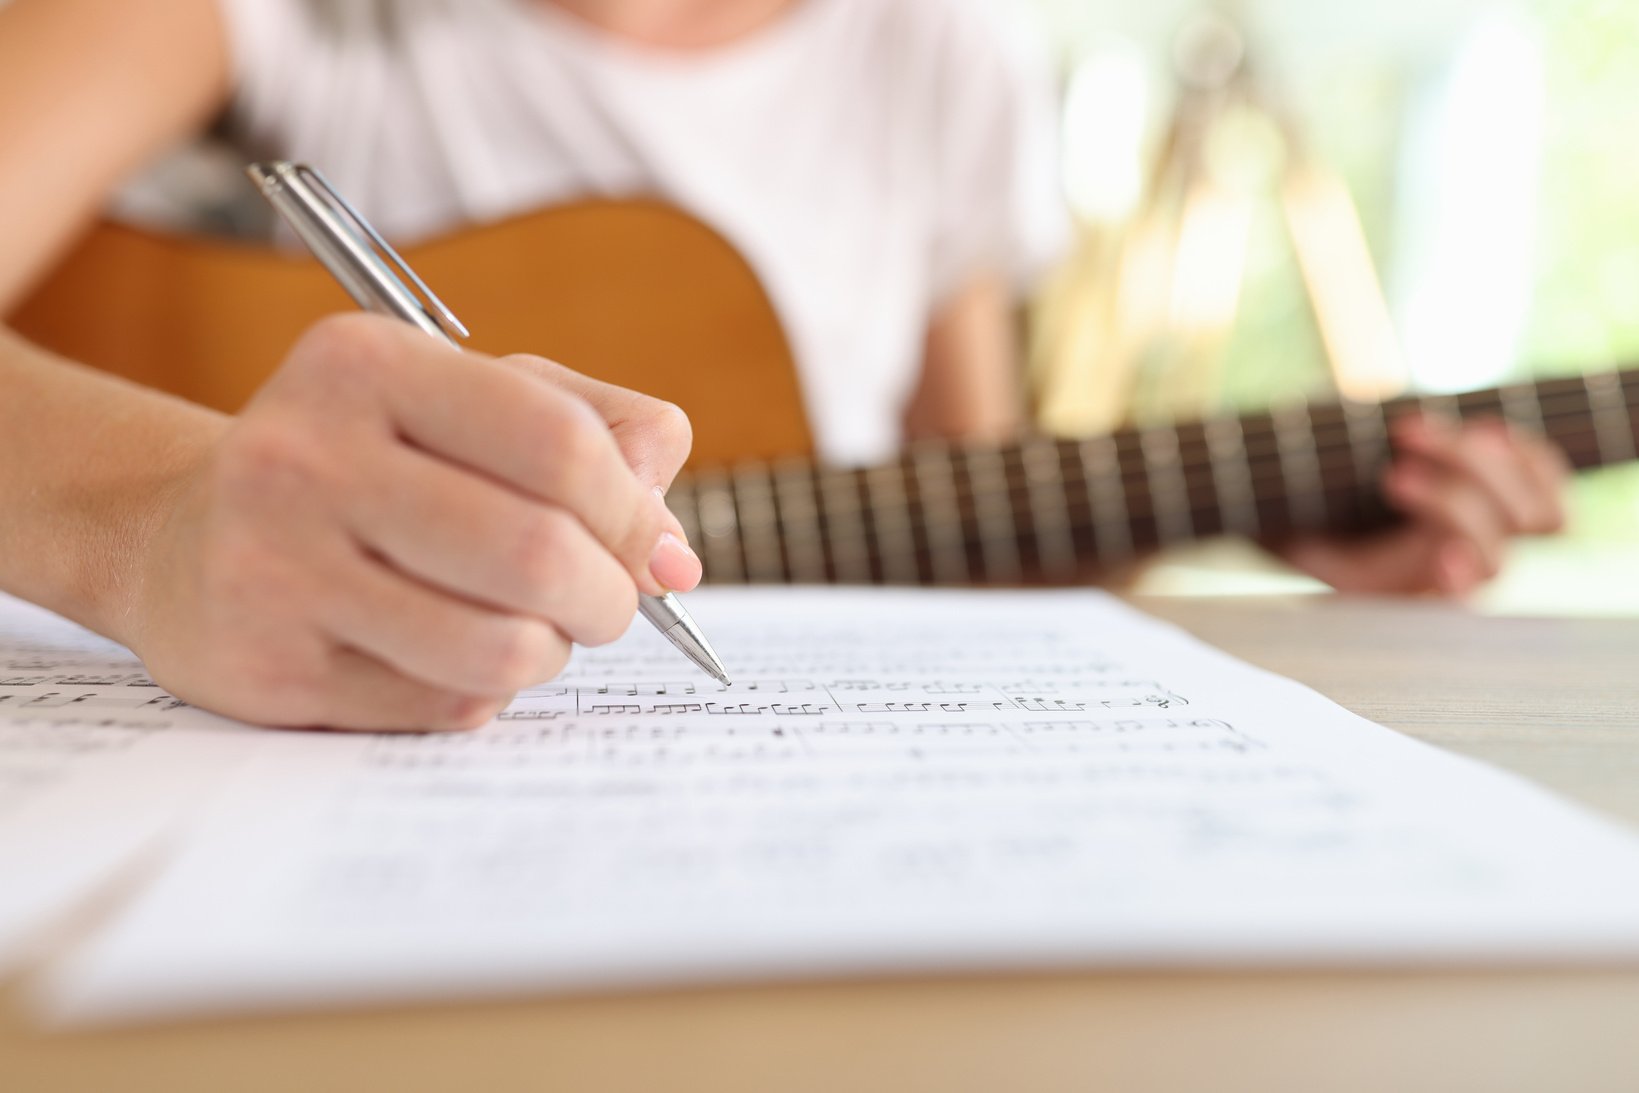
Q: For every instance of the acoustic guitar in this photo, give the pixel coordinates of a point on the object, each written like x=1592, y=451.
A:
x=633, y=292
x=642, y=295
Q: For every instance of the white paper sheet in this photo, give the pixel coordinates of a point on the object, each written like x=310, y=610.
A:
x=897, y=782
x=95, y=763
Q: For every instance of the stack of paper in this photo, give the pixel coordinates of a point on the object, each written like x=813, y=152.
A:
x=896, y=782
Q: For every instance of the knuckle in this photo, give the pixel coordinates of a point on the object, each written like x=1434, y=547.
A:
x=670, y=422
x=575, y=434
x=614, y=616
x=516, y=656
x=531, y=364
x=343, y=358
x=342, y=339
x=672, y=430
x=542, y=549
x=267, y=456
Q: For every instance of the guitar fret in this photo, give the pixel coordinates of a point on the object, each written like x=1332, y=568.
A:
x=993, y=510
x=1522, y=408
x=891, y=516
x=935, y=474
x=1484, y=405
x=1299, y=461
x=1008, y=514
x=1367, y=428
x=759, y=528
x=1368, y=431
x=845, y=527
x=719, y=528
x=1106, y=498
x=1049, y=508
x=1231, y=467
x=1445, y=408
x=1169, y=489
x=1612, y=421
x=799, y=521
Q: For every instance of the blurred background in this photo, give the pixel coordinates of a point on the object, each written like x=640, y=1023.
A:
x=1286, y=198
x=1426, y=195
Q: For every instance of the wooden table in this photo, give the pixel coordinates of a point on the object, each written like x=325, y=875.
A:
x=1557, y=701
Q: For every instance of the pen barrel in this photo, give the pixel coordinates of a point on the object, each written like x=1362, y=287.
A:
x=664, y=611
x=339, y=248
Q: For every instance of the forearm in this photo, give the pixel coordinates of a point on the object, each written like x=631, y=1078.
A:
x=87, y=464
x=969, y=387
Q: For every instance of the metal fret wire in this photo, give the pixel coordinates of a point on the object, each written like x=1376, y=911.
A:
x=1267, y=460
x=1049, y=508
x=1134, y=516
x=1502, y=401
x=1330, y=438
x=1261, y=462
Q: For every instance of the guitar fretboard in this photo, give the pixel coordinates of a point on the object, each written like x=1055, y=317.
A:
x=1048, y=509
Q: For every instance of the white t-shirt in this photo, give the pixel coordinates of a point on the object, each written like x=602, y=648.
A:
x=865, y=156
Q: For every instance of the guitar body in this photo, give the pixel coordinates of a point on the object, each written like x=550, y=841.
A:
x=632, y=292
x=639, y=294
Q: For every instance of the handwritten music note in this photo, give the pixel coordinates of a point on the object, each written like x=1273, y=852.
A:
x=906, y=781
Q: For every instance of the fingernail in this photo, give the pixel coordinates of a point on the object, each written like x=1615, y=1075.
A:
x=674, y=565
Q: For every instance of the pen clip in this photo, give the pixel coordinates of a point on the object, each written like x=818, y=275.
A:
x=442, y=314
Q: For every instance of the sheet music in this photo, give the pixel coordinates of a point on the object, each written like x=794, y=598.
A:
x=897, y=781
x=95, y=763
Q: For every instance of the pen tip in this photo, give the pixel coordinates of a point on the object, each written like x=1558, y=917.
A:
x=680, y=629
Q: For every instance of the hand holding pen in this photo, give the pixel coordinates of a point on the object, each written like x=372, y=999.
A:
x=389, y=536
x=375, y=276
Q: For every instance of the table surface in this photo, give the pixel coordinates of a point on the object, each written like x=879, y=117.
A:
x=1555, y=700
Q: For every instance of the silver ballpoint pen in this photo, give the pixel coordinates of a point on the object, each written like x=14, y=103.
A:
x=368, y=268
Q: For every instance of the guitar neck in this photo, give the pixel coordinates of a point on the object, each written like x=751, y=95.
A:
x=1048, y=509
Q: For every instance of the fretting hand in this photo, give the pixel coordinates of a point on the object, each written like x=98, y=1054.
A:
x=1465, y=491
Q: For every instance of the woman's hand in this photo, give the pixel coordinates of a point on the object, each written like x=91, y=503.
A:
x=1465, y=491
x=399, y=535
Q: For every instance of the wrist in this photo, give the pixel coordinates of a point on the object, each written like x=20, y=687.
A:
x=89, y=467
x=127, y=556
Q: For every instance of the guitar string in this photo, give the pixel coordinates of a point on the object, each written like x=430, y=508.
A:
x=1327, y=439
x=1268, y=422
x=1330, y=436
x=1080, y=512
x=1325, y=458
x=1262, y=461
